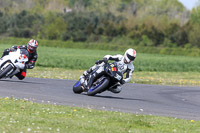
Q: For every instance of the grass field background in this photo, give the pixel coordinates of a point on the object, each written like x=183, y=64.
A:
x=83, y=59
x=113, y=46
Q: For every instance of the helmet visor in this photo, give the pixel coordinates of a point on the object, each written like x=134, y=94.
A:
x=126, y=62
x=131, y=58
x=31, y=48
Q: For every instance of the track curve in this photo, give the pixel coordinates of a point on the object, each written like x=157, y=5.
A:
x=174, y=101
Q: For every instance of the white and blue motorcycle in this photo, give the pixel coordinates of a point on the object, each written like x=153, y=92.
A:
x=108, y=80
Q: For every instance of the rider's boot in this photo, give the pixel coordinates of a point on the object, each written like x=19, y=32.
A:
x=81, y=79
x=83, y=82
x=86, y=75
x=11, y=77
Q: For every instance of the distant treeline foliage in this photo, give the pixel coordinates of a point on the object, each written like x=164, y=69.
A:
x=160, y=23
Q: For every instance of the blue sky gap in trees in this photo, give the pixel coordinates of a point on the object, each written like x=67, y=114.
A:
x=189, y=4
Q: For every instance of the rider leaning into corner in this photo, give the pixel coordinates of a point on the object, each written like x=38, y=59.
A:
x=124, y=63
x=31, y=47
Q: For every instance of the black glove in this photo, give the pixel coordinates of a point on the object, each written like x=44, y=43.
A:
x=12, y=49
x=122, y=82
x=105, y=60
x=98, y=62
x=29, y=66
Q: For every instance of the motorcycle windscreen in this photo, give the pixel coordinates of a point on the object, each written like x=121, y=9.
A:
x=24, y=52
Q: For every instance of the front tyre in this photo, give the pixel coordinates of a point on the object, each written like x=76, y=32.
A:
x=98, y=88
x=7, y=69
x=77, y=88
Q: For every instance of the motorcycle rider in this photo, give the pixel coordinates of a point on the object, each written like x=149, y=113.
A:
x=124, y=63
x=31, y=47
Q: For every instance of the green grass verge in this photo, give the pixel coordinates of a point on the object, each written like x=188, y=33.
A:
x=159, y=78
x=22, y=116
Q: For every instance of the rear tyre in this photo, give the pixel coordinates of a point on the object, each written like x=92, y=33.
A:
x=77, y=88
x=99, y=88
x=5, y=71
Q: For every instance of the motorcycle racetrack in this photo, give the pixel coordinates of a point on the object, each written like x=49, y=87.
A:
x=173, y=101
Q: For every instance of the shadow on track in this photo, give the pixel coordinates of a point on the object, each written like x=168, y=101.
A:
x=20, y=81
x=122, y=98
x=111, y=97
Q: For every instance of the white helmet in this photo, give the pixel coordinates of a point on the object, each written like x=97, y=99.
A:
x=129, y=55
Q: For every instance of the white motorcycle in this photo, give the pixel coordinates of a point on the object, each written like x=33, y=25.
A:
x=13, y=62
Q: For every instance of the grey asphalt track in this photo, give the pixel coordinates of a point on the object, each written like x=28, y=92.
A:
x=173, y=101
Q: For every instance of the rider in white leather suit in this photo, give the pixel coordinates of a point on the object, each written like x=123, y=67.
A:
x=124, y=63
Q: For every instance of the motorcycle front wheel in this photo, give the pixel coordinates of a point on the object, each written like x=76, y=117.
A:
x=5, y=70
x=77, y=88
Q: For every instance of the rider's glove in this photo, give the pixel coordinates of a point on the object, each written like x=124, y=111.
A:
x=105, y=60
x=122, y=82
x=98, y=62
x=107, y=57
x=29, y=66
x=12, y=49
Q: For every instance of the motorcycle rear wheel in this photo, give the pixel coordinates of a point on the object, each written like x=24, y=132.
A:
x=100, y=88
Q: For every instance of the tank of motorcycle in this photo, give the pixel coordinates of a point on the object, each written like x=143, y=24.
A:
x=114, y=71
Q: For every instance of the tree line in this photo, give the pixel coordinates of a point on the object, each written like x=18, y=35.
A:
x=160, y=23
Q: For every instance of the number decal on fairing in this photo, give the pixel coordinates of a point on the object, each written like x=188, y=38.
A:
x=121, y=66
x=118, y=77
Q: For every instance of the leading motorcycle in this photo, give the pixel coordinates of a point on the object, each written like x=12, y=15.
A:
x=107, y=81
x=12, y=63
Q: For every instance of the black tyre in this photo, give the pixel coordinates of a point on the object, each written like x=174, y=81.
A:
x=5, y=71
x=77, y=88
x=99, y=88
